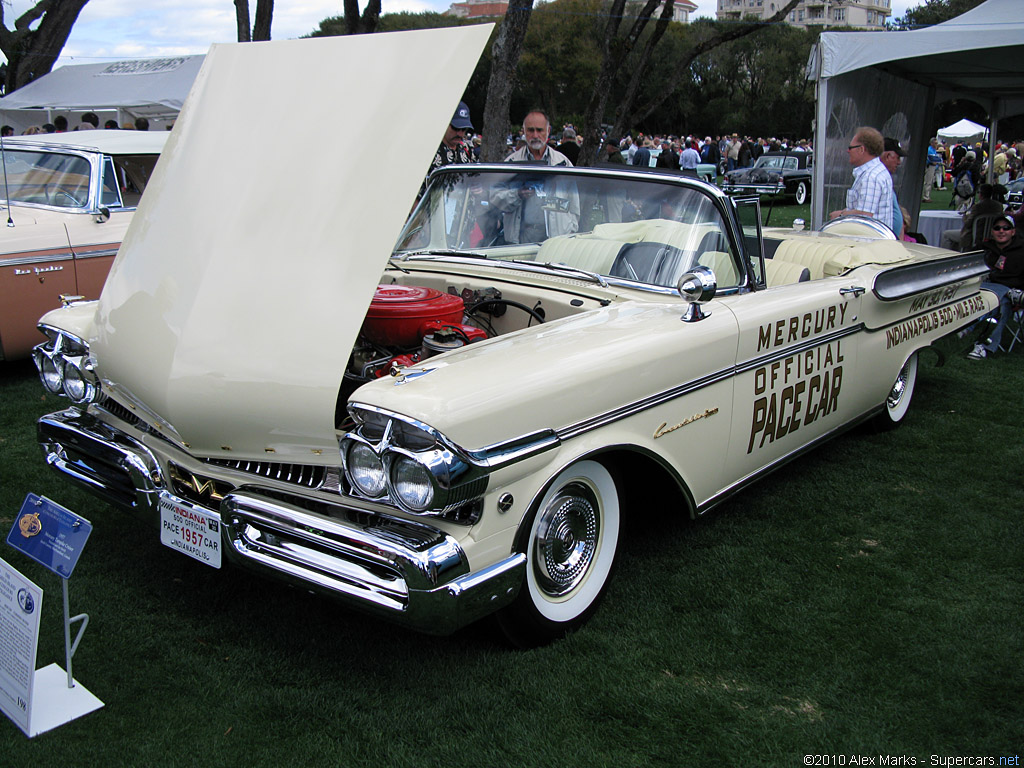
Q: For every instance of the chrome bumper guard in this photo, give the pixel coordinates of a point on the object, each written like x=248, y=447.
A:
x=408, y=572
x=101, y=458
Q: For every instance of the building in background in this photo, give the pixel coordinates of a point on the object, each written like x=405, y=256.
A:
x=861, y=14
x=477, y=9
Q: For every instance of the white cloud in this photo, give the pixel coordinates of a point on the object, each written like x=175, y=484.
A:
x=112, y=29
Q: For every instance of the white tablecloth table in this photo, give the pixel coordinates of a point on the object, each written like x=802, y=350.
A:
x=931, y=224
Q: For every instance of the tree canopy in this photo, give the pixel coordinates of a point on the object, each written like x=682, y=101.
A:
x=934, y=12
x=753, y=84
x=33, y=48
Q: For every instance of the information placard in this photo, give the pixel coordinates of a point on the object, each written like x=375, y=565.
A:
x=50, y=534
x=21, y=603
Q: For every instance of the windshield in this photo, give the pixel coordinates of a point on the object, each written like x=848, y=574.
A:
x=776, y=161
x=644, y=230
x=47, y=178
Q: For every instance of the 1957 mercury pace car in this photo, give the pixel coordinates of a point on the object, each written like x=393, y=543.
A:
x=452, y=426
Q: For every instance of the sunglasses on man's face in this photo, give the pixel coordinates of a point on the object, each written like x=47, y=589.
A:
x=1001, y=229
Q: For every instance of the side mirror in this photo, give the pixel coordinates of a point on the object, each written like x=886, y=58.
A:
x=697, y=286
x=102, y=214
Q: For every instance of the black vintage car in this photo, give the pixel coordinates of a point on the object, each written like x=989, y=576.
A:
x=774, y=173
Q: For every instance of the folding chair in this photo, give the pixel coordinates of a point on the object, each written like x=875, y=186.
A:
x=980, y=230
x=1013, y=333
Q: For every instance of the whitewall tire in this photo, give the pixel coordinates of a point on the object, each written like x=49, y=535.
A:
x=570, y=545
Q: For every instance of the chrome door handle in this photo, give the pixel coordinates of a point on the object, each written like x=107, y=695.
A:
x=856, y=290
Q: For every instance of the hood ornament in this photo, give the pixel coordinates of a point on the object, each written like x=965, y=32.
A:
x=403, y=374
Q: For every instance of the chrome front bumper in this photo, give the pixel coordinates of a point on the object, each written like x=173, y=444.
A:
x=406, y=571
x=760, y=189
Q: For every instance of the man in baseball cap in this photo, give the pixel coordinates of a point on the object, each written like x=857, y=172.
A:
x=453, y=149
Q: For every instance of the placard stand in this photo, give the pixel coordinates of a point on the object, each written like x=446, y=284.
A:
x=54, y=537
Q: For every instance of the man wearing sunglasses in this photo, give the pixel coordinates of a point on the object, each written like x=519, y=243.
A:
x=871, y=194
x=1004, y=255
x=453, y=149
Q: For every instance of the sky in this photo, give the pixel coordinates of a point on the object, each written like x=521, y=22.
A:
x=127, y=29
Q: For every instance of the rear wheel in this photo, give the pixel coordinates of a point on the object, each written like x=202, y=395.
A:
x=570, y=546
x=801, y=193
x=898, y=402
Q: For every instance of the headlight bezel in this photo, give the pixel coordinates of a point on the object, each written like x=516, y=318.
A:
x=449, y=480
x=353, y=465
x=65, y=353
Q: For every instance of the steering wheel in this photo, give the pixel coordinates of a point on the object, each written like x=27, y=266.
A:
x=53, y=196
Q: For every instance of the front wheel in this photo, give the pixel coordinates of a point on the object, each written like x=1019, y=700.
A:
x=570, y=547
x=898, y=402
x=800, y=195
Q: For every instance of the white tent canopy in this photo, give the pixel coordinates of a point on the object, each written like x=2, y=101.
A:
x=962, y=130
x=151, y=88
x=892, y=80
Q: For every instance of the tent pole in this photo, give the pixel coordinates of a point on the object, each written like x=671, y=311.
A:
x=818, y=172
x=992, y=127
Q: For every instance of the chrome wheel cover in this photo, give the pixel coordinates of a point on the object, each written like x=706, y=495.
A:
x=899, y=387
x=566, y=539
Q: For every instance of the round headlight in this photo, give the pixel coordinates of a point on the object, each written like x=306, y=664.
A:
x=49, y=373
x=365, y=470
x=75, y=386
x=412, y=484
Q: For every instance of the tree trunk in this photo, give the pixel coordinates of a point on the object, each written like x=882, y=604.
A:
x=242, y=20
x=356, y=24
x=613, y=52
x=32, y=53
x=629, y=115
x=508, y=46
x=264, y=18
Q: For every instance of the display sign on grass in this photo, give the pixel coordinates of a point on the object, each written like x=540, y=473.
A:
x=38, y=700
x=50, y=534
x=21, y=603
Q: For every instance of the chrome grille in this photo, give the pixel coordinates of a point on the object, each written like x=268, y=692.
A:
x=306, y=475
x=118, y=411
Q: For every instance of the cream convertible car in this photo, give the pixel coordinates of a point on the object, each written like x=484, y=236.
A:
x=543, y=344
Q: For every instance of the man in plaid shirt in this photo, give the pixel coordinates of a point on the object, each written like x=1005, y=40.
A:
x=871, y=194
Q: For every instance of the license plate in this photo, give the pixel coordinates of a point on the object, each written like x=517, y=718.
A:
x=190, y=529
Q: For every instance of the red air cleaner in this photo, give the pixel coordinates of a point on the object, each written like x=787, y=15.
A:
x=398, y=314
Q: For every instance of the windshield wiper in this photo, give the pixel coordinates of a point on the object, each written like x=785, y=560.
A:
x=596, y=277
x=440, y=252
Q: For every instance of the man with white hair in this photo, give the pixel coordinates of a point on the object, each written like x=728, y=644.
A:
x=536, y=129
x=533, y=210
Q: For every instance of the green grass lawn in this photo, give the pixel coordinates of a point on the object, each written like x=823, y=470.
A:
x=865, y=599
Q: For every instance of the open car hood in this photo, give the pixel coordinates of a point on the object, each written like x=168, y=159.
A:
x=234, y=302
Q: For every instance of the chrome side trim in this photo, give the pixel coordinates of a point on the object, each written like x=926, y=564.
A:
x=582, y=427
x=95, y=254
x=903, y=281
x=64, y=255
x=500, y=455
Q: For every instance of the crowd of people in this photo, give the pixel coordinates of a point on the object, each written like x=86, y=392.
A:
x=874, y=159
x=90, y=121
